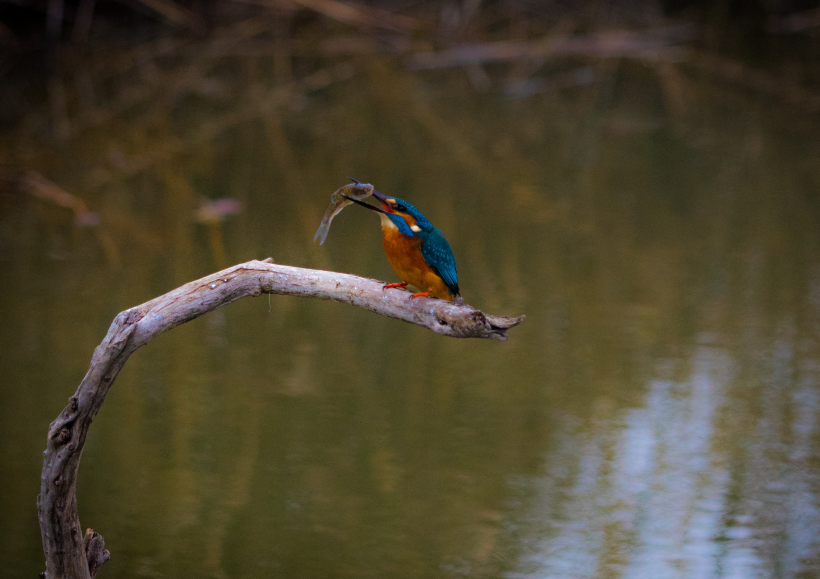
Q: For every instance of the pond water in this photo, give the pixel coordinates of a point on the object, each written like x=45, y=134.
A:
x=656, y=415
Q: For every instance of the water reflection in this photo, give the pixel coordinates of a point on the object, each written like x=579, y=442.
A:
x=708, y=477
x=640, y=493
x=656, y=415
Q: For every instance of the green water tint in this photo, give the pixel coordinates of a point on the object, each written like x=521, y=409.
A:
x=655, y=416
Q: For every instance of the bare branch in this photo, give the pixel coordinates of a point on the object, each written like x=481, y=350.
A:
x=173, y=12
x=68, y=553
x=652, y=44
x=360, y=15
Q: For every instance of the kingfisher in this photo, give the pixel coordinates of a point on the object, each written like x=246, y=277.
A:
x=416, y=249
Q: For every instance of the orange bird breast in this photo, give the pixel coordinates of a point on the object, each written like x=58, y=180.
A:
x=404, y=254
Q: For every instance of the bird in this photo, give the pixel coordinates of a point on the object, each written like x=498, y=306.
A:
x=416, y=249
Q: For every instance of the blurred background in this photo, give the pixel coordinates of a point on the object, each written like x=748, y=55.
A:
x=640, y=178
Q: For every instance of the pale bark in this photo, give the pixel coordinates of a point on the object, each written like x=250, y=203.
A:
x=69, y=553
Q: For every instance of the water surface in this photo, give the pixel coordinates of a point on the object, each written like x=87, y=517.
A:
x=656, y=415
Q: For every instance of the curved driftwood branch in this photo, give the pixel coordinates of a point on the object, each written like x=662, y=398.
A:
x=69, y=553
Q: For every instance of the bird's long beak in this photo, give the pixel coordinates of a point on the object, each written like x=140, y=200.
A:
x=368, y=205
x=380, y=196
x=387, y=202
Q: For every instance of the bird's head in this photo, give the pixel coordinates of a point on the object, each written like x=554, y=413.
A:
x=407, y=218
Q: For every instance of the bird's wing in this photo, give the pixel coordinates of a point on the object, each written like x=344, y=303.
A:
x=437, y=253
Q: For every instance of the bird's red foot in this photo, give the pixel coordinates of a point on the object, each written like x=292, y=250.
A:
x=420, y=295
x=392, y=285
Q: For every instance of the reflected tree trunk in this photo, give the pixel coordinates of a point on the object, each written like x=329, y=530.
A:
x=70, y=554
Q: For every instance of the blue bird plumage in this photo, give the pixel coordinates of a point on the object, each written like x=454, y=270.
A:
x=437, y=253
